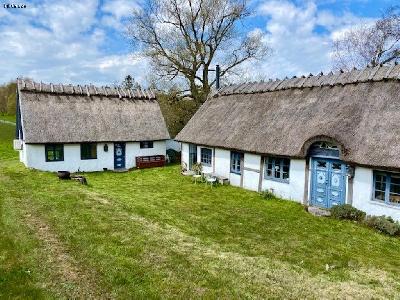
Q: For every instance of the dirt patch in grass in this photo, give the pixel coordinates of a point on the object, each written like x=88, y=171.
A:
x=78, y=282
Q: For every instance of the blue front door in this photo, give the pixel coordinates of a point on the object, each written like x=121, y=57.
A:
x=328, y=182
x=119, y=155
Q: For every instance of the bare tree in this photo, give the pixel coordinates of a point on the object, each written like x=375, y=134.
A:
x=373, y=44
x=183, y=38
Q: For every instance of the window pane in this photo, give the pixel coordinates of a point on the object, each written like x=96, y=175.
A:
x=286, y=168
x=395, y=188
x=50, y=155
x=277, y=167
x=395, y=179
x=381, y=186
x=277, y=170
x=89, y=151
x=206, y=156
x=380, y=195
x=235, y=162
x=321, y=164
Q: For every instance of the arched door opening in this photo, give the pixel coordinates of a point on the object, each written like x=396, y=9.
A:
x=328, y=175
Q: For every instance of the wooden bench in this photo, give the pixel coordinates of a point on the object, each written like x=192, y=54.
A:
x=151, y=161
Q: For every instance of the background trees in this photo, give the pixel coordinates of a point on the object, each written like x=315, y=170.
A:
x=184, y=38
x=7, y=98
x=369, y=44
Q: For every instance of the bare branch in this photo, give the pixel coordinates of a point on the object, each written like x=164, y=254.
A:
x=373, y=44
x=184, y=37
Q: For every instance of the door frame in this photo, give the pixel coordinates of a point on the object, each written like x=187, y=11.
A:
x=190, y=163
x=312, y=177
x=123, y=147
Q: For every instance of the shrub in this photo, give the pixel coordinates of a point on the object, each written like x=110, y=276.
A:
x=268, y=195
x=174, y=156
x=197, y=168
x=347, y=212
x=383, y=224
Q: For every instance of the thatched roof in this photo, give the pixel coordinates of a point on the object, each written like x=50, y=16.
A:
x=360, y=110
x=57, y=113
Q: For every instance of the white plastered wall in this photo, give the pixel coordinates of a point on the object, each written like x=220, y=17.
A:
x=251, y=177
x=363, y=194
x=294, y=189
x=185, y=153
x=33, y=156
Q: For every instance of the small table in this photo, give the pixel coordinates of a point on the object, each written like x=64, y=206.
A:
x=196, y=178
x=211, y=180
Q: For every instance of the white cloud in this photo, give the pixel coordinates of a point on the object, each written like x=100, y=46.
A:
x=63, y=42
x=300, y=36
x=116, y=12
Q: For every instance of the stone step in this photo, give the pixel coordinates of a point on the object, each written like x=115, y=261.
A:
x=318, y=211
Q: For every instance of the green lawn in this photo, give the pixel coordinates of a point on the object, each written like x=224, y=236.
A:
x=7, y=118
x=153, y=234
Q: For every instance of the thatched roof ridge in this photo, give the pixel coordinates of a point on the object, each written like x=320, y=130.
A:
x=58, y=113
x=360, y=110
x=39, y=87
x=377, y=73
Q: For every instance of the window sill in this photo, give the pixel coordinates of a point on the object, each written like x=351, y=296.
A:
x=277, y=180
x=384, y=204
x=236, y=173
x=88, y=158
x=206, y=165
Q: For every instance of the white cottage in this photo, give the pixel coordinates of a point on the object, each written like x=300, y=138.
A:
x=319, y=140
x=86, y=128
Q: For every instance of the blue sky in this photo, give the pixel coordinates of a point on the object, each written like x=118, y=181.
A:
x=83, y=41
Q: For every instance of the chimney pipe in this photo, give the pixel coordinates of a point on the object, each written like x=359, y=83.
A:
x=217, y=75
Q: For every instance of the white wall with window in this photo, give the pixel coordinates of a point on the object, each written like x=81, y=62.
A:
x=285, y=177
x=87, y=157
x=205, y=157
x=377, y=192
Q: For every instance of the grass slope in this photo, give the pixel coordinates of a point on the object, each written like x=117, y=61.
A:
x=7, y=118
x=154, y=234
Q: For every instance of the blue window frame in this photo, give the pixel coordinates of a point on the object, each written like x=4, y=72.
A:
x=387, y=187
x=206, y=156
x=277, y=168
x=236, y=158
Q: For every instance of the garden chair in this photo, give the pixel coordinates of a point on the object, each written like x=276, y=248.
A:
x=211, y=180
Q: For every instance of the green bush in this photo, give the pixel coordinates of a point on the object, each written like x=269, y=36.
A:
x=383, y=224
x=268, y=195
x=347, y=212
x=174, y=156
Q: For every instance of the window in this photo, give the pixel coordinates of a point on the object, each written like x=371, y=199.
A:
x=89, y=151
x=236, y=157
x=387, y=187
x=54, y=152
x=277, y=168
x=205, y=156
x=146, y=144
